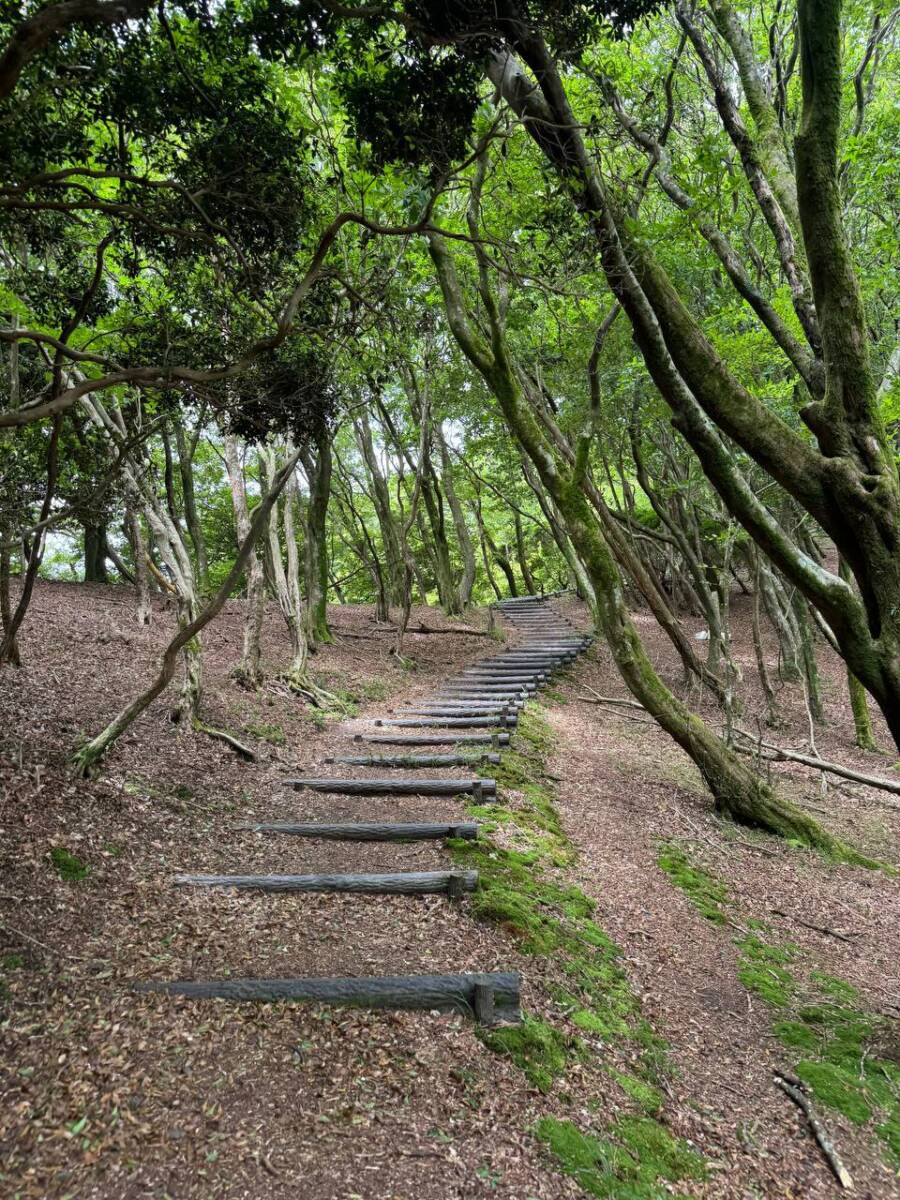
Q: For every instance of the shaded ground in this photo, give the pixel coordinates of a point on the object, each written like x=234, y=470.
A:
x=105, y=1094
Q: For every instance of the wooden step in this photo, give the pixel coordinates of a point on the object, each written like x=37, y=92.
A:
x=462, y=706
x=418, y=760
x=397, y=787
x=399, y=883
x=490, y=996
x=449, y=722
x=371, y=831
x=434, y=739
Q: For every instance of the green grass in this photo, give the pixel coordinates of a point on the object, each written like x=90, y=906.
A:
x=69, y=868
x=273, y=734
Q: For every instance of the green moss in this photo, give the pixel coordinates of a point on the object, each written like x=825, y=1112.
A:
x=539, y=1049
x=841, y=1066
x=589, y=1021
x=648, y=1097
x=12, y=962
x=708, y=894
x=519, y=890
x=795, y=1034
x=374, y=689
x=763, y=970
x=68, y=867
x=629, y=1164
x=837, y=1087
x=267, y=733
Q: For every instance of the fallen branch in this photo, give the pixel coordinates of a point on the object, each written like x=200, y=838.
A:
x=808, y=925
x=462, y=629
x=826, y=1145
x=778, y=754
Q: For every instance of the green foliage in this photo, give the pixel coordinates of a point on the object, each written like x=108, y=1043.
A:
x=635, y=1162
x=69, y=868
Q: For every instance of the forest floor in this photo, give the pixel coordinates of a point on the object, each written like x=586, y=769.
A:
x=671, y=962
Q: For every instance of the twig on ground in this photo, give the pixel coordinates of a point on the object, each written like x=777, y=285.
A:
x=777, y=912
x=42, y=945
x=596, y=698
x=826, y=1145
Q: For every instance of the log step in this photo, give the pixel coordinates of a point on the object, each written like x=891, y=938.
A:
x=488, y=691
x=397, y=787
x=449, y=722
x=417, y=760
x=466, y=994
x=399, y=883
x=487, y=738
x=368, y=832
x=465, y=708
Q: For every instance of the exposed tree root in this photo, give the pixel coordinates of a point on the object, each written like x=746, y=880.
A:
x=223, y=735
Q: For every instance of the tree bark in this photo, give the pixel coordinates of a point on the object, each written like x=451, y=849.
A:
x=249, y=669
x=315, y=546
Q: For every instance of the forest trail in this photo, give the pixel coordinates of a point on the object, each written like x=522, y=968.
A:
x=473, y=699
x=144, y=1095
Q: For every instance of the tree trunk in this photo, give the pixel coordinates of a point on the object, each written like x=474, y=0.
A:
x=393, y=556
x=135, y=537
x=315, y=546
x=463, y=536
x=8, y=640
x=527, y=577
x=737, y=790
x=86, y=759
x=186, y=453
x=249, y=669
x=95, y=554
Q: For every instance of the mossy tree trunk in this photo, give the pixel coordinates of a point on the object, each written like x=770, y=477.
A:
x=848, y=481
x=249, y=669
x=318, y=467
x=737, y=790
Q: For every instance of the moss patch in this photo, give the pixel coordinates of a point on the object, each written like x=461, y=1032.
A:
x=69, y=868
x=520, y=890
x=630, y=1164
x=273, y=734
x=764, y=972
x=706, y=892
x=844, y=1058
x=541, y=1050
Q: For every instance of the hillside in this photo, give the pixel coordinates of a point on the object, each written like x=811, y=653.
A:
x=671, y=961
